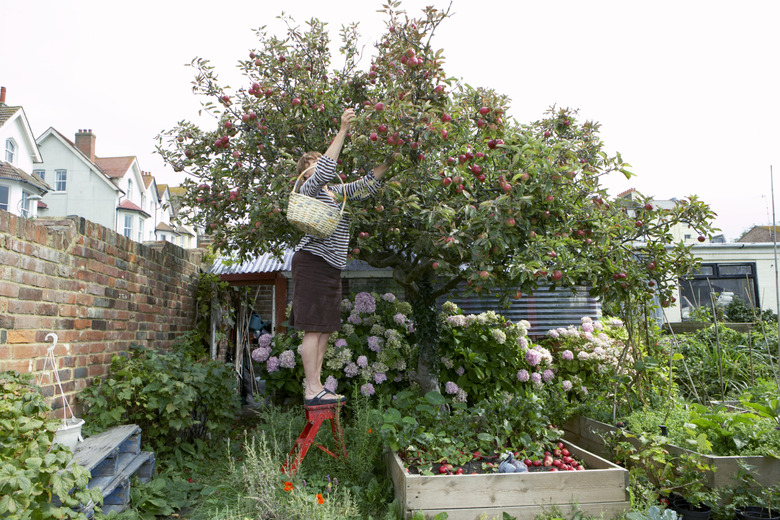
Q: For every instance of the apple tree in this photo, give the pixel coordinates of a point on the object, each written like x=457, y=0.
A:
x=474, y=196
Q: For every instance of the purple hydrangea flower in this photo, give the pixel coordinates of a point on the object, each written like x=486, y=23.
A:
x=272, y=365
x=587, y=326
x=351, y=370
x=536, y=377
x=367, y=389
x=380, y=377
x=264, y=340
x=547, y=375
x=354, y=319
x=374, y=344
x=331, y=383
x=287, y=359
x=399, y=318
x=567, y=355
x=388, y=297
x=260, y=354
x=533, y=357
x=365, y=303
x=341, y=342
x=460, y=371
x=523, y=375
x=362, y=361
x=451, y=388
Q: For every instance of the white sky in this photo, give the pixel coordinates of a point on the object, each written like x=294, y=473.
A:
x=687, y=91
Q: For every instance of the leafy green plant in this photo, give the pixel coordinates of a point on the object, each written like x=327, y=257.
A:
x=170, y=396
x=37, y=479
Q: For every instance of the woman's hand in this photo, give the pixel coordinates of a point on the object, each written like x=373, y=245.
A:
x=346, y=119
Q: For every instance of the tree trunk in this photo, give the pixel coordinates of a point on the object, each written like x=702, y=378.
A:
x=423, y=302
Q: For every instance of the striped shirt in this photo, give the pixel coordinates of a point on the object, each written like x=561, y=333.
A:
x=334, y=248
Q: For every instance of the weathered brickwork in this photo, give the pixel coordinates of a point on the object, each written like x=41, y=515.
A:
x=97, y=290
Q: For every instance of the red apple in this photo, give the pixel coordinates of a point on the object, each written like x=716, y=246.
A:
x=484, y=110
x=379, y=107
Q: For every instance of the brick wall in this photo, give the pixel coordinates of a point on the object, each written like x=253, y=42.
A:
x=97, y=290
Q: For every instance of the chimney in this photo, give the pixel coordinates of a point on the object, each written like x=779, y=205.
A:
x=2, y=95
x=85, y=142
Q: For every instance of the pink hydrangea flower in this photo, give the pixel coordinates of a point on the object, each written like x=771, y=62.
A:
x=272, y=365
x=264, y=340
x=331, y=383
x=362, y=361
x=523, y=375
x=367, y=389
x=567, y=355
x=451, y=388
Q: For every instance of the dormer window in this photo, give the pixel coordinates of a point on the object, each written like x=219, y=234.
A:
x=10, y=151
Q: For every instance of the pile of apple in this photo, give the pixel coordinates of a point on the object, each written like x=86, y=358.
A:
x=559, y=459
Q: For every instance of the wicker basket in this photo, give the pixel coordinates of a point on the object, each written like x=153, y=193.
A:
x=313, y=216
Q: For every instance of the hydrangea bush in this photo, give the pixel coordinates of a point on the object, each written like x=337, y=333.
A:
x=590, y=357
x=485, y=355
x=372, y=353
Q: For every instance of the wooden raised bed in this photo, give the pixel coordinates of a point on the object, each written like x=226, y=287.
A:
x=601, y=489
x=588, y=433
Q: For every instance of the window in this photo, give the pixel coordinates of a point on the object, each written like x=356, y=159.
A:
x=4, y=198
x=130, y=190
x=40, y=173
x=10, y=150
x=720, y=283
x=61, y=180
x=143, y=202
x=140, y=229
x=128, y=226
x=25, y=206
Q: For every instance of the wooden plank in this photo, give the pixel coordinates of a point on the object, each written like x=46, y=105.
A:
x=597, y=510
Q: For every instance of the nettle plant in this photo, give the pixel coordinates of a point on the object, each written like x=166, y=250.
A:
x=372, y=353
x=474, y=196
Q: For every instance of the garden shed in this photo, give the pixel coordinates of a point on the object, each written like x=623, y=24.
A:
x=545, y=309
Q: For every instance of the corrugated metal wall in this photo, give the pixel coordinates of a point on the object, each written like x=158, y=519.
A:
x=544, y=309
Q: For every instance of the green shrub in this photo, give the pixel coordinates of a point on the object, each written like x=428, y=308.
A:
x=34, y=481
x=169, y=395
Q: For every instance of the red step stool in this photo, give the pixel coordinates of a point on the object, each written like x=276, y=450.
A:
x=315, y=416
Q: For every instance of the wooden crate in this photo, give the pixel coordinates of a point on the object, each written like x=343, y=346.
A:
x=602, y=489
x=588, y=433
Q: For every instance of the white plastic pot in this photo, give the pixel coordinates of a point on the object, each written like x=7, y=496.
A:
x=70, y=433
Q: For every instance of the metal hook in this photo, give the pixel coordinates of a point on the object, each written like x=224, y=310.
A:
x=54, y=340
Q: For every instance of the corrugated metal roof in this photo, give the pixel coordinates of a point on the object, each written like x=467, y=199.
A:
x=268, y=263
x=544, y=309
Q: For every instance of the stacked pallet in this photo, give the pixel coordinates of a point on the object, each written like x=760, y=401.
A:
x=113, y=457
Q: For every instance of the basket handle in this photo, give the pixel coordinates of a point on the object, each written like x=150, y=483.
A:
x=296, y=188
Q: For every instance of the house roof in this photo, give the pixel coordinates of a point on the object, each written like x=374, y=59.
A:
x=268, y=263
x=148, y=178
x=94, y=167
x=7, y=112
x=131, y=206
x=162, y=226
x=9, y=171
x=161, y=190
x=114, y=167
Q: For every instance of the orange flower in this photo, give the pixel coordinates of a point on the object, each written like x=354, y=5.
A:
x=370, y=431
x=288, y=486
x=320, y=499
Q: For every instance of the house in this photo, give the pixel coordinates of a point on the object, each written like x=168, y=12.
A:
x=21, y=189
x=760, y=234
x=680, y=232
x=111, y=191
x=731, y=270
x=188, y=234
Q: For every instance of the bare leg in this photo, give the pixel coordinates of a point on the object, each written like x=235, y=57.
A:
x=312, y=362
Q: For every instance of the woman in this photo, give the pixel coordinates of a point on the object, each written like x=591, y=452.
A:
x=317, y=262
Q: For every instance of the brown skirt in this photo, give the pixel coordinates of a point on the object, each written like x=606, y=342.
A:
x=316, y=294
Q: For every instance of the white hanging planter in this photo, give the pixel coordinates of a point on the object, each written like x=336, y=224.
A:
x=69, y=434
